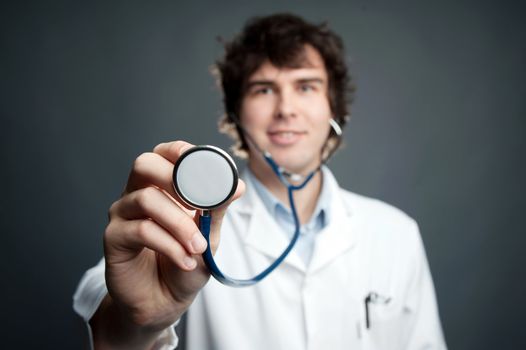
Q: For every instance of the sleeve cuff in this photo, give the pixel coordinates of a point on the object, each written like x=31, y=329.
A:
x=88, y=296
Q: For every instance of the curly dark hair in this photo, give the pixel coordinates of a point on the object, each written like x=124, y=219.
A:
x=281, y=39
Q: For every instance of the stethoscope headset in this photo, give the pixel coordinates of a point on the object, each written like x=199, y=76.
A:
x=205, y=177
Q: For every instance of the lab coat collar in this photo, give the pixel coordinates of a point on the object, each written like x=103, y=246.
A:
x=265, y=236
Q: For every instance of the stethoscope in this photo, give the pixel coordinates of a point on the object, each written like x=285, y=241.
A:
x=205, y=177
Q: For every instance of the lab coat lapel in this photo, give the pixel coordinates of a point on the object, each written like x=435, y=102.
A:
x=264, y=234
x=341, y=233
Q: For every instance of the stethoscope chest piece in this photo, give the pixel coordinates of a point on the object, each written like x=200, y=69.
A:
x=205, y=177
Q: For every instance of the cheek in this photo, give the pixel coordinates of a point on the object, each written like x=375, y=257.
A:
x=255, y=113
x=324, y=128
x=320, y=113
x=325, y=108
x=320, y=117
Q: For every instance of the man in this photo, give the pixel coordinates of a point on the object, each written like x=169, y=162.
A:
x=358, y=276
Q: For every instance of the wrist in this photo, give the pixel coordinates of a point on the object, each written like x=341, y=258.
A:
x=114, y=329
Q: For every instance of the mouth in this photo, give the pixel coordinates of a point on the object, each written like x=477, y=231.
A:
x=285, y=137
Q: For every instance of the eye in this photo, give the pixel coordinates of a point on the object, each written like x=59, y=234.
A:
x=306, y=87
x=264, y=91
x=260, y=89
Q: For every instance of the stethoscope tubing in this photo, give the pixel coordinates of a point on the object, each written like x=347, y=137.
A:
x=205, y=221
x=206, y=218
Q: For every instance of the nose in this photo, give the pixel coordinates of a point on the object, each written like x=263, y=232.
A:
x=286, y=105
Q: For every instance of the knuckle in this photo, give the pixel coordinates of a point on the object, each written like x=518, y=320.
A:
x=144, y=196
x=156, y=148
x=144, y=227
x=141, y=162
x=175, y=148
x=178, y=147
x=112, y=211
x=108, y=232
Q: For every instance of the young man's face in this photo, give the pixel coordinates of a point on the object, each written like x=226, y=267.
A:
x=287, y=112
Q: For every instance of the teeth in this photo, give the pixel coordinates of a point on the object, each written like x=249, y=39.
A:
x=286, y=135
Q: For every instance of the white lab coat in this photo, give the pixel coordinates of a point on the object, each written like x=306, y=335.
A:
x=367, y=247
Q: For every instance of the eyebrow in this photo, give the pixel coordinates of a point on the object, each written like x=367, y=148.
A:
x=311, y=80
x=263, y=82
x=259, y=82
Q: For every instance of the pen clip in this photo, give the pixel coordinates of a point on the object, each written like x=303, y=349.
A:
x=374, y=298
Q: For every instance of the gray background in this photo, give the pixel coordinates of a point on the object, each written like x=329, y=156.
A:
x=437, y=130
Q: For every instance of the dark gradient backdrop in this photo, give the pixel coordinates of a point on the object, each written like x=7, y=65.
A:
x=437, y=129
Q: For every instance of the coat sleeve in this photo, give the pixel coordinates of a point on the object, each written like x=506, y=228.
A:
x=88, y=296
x=425, y=330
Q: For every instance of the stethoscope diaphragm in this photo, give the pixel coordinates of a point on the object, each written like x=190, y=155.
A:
x=205, y=177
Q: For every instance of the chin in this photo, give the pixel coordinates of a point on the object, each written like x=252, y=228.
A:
x=295, y=166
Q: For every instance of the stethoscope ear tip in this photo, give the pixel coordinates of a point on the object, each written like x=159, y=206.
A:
x=335, y=126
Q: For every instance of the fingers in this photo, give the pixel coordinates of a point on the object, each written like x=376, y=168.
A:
x=172, y=150
x=149, y=194
x=152, y=203
x=151, y=169
x=156, y=168
x=134, y=235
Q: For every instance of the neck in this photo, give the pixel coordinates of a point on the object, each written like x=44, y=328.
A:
x=305, y=199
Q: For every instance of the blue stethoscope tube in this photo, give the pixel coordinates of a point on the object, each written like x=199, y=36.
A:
x=205, y=220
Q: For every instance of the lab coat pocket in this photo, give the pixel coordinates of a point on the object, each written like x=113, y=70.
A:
x=388, y=325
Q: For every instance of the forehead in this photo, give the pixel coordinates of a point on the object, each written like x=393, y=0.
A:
x=310, y=64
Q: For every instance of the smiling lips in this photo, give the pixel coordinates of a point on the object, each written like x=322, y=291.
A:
x=285, y=137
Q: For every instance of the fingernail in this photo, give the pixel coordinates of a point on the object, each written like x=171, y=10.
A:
x=198, y=243
x=189, y=262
